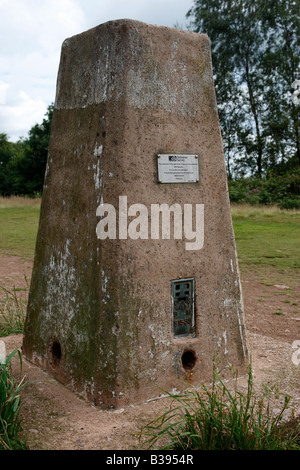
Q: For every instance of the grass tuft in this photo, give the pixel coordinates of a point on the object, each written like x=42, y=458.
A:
x=10, y=405
x=12, y=310
x=217, y=418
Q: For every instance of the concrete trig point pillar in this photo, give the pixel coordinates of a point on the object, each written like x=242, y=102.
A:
x=120, y=307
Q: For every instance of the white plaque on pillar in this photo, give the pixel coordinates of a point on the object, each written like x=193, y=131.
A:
x=178, y=168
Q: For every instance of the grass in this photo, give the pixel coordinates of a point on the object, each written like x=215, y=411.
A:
x=217, y=418
x=12, y=310
x=10, y=405
x=267, y=236
x=19, y=219
x=210, y=418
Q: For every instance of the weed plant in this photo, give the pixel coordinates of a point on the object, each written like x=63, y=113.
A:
x=216, y=418
x=12, y=310
x=10, y=405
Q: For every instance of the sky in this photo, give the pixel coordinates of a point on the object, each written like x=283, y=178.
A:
x=31, y=35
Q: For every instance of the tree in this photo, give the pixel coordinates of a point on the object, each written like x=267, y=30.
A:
x=281, y=24
x=234, y=32
x=255, y=54
x=33, y=164
x=10, y=153
x=5, y=156
x=23, y=164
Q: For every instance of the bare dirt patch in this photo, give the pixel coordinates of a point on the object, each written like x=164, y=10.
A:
x=14, y=271
x=54, y=418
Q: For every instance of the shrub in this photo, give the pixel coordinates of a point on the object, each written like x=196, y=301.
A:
x=290, y=203
x=282, y=190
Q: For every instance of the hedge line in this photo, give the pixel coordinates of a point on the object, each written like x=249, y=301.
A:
x=282, y=190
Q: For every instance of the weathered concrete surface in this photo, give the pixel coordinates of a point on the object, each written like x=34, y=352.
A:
x=99, y=313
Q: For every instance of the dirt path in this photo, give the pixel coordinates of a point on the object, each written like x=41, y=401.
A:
x=14, y=271
x=56, y=419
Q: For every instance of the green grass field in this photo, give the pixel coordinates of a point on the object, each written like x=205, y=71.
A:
x=267, y=236
x=264, y=235
x=19, y=219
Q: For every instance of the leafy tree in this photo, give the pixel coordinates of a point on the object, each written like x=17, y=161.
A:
x=33, y=163
x=234, y=31
x=281, y=24
x=10, y=153
x=23, y=164
x=255, y=50
x=5, y=156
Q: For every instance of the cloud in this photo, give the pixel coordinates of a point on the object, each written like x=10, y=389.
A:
x=24, y=115
x=31, y=36
x=3, y=88
x=21, y=112
x=159, y=12
x=38, y=25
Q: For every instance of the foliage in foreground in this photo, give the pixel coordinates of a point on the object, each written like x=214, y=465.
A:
x=216, y=418
x=10, y=405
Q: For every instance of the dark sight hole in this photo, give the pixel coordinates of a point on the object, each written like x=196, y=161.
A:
x=56, y=352
x=188, y=360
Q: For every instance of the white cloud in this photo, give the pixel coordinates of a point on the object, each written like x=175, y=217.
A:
x=160, y=12
x=38, y=25
x=28, y=112
x=31, y=34
x=3, y=88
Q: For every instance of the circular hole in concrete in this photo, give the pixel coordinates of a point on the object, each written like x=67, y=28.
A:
x=56, y=353
x=188, y=359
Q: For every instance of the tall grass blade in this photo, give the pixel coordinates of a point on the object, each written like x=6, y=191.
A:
x=218, y=418
x=10, y=405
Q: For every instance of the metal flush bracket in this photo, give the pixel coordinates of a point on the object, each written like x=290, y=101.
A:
x=183, y=316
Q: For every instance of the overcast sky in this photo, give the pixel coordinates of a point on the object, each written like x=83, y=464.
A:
x=31, y=35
